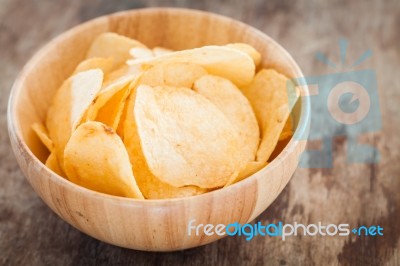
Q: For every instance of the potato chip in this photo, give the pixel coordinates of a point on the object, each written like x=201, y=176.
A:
x=184, y=138
x=110, y=44
x=121, y=74
x=154, y=188
x=69, y=105
x=272, y=96
x=157, y=51
x=229, y=63
x=96, y=158
x=121, y=123
x=151, y=186
x=287, y=130
x=107, y=93
x=111, y=113
x=105, y=64
x=43, y=135
x=173, y=74
x=52, y=164
x=141, y=52
x=250, y=169
x=280, y=146
x=236, y=107
x=253, y=53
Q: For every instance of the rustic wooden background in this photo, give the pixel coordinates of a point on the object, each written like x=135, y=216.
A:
x=358, y=194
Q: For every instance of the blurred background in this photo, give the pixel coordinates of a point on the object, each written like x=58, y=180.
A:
x=353, y=193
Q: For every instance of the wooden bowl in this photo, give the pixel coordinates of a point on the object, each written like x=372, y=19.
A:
x=156, y=225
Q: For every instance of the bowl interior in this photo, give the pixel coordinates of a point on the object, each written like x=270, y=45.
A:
x=171, y=28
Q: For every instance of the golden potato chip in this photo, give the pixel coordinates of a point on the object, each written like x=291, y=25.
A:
x=69, y=105
x=272, y=96
x=43, y=135
x=105, y=64
x=287, y=130
x=157, y=51
x=185, y=139
x=110, y=44
x=107, y=93
x=121, y=74
x=111, y=113
x=121, y=123
x=96, y=158
x=280, y=146
x=173, y=74
x=141, y=52
x=236, y=107
x=250, y=169
x=229, y=63
x=248, y=50
x=52, y=164
x=123, y=109
x=151, y=186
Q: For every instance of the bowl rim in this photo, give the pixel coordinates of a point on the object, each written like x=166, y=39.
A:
x=15, y=131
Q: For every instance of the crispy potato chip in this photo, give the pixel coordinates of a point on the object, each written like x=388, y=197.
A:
x=185, y=139
x=105, y=64
x=157, y=51
x=110, y=44
x=96, y=158
x=110, y=114
x=272, y=96
x=69, y=105
x=158, y=190
x=121, y=123
x=121, y=74
x=151, y=186
x=250, y=169
x=173, y=74
x=222, y=61
x=43, y=135
x=236, y=107
x=287, y=130
x=123, y=109
x=107, y=93
x=141, y=52
x=280, y=146
x=253, y=53
x=52, y=164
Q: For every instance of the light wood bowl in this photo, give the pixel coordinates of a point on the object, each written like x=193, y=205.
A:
x=156, y=225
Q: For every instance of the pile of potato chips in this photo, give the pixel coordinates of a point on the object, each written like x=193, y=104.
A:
x=155, y=123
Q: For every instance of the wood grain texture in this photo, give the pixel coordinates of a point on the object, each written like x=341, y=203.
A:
x=30, y=233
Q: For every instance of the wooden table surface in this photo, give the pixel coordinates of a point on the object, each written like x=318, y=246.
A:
x=357, y=194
